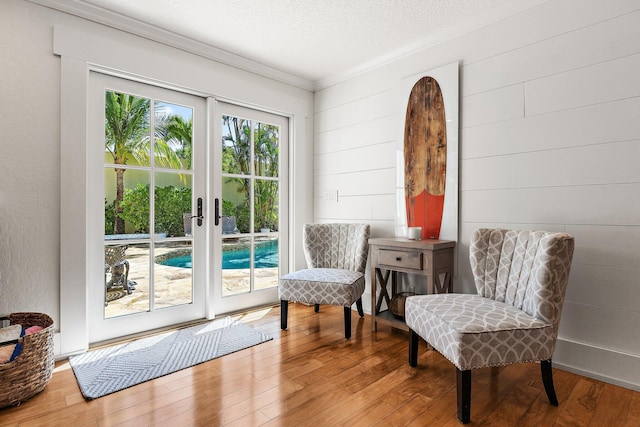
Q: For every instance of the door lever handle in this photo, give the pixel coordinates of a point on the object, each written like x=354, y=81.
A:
x=199, y=216
x=216, y=214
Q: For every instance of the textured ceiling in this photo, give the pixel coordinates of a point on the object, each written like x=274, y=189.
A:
x=311, y=39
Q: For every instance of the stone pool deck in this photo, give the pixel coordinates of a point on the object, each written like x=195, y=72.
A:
x=173, y=284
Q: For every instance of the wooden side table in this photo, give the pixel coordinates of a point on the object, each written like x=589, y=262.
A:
x=432, y=259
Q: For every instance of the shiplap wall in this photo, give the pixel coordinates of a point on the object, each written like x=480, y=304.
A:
x=549, y=139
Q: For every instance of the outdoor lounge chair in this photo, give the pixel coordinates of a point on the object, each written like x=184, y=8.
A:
x=117, y=265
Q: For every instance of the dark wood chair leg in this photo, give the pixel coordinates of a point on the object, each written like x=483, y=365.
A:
x=547, y=380
x=284, y=311
x=316, y=308
x=463, y=380
x=359, y=306
x=414, y=340
x=347, y=322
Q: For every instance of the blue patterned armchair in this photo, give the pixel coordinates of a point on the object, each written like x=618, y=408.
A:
x=521, y=278
x=336, y=256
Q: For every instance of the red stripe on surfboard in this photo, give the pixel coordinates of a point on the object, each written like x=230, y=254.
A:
x=425, y=210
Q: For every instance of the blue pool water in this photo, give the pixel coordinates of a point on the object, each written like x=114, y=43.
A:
x=266, y=256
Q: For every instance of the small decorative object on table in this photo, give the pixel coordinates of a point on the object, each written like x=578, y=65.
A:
x=29, y=373
x=414, y=233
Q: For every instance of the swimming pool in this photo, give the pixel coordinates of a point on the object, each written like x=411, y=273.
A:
x=266, y=256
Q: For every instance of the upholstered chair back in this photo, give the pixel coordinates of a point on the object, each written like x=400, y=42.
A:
x=526, y=269
x=342, y=246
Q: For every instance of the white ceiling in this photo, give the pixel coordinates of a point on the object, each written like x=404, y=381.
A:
x=313, y=40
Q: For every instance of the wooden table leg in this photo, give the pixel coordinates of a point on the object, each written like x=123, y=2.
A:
x=384, y=294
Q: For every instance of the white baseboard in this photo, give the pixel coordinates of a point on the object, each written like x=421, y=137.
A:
x=366, y=303
x=57, y=355
x=56, y=345
x=598, y=363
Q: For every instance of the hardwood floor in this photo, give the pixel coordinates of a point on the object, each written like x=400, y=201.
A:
x=310, y=375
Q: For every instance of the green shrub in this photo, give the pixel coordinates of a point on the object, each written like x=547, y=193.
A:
x=109, y=216
x=170, y=205
x=242, y=215
x=228, y=208
x=135, y=207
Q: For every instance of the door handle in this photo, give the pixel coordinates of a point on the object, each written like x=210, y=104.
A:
x=216, y=214
x=199, y=216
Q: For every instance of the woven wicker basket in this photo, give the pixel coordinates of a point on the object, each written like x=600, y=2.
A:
x=396, y=305
x=29, y=373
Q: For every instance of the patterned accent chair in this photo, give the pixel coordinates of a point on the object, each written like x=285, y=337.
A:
x=521, y=278
x=336, y=257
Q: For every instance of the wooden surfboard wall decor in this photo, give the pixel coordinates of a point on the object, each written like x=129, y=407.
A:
x=425, y=157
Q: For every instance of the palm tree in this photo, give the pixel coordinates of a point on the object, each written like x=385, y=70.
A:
x=127, y=136
x=266, y=164
x=179, y=131
x=237, y=159
x=236, y=143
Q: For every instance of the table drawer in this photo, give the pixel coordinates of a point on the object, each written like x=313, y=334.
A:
x=403, y=259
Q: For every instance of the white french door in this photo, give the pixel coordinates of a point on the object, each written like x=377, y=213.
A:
x=250, y=191
x=147, y=167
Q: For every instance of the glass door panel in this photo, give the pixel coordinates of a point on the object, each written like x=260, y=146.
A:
x=252, y=164
x=267, y=148
x=151, y=184
x=173, y=277
x=172, y=204
x=130, y=265
x=137, y=213
x=266, y=262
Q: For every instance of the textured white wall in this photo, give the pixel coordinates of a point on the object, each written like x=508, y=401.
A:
x=29, y=161
x=549, y=139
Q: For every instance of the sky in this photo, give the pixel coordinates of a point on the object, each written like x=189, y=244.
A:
x=174, y=109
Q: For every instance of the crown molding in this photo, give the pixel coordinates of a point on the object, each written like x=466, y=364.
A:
x=133, y=26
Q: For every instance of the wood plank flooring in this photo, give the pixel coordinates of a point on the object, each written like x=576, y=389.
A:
x=310, y=375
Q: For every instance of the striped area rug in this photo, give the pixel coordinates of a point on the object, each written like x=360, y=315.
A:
x=110, y=369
